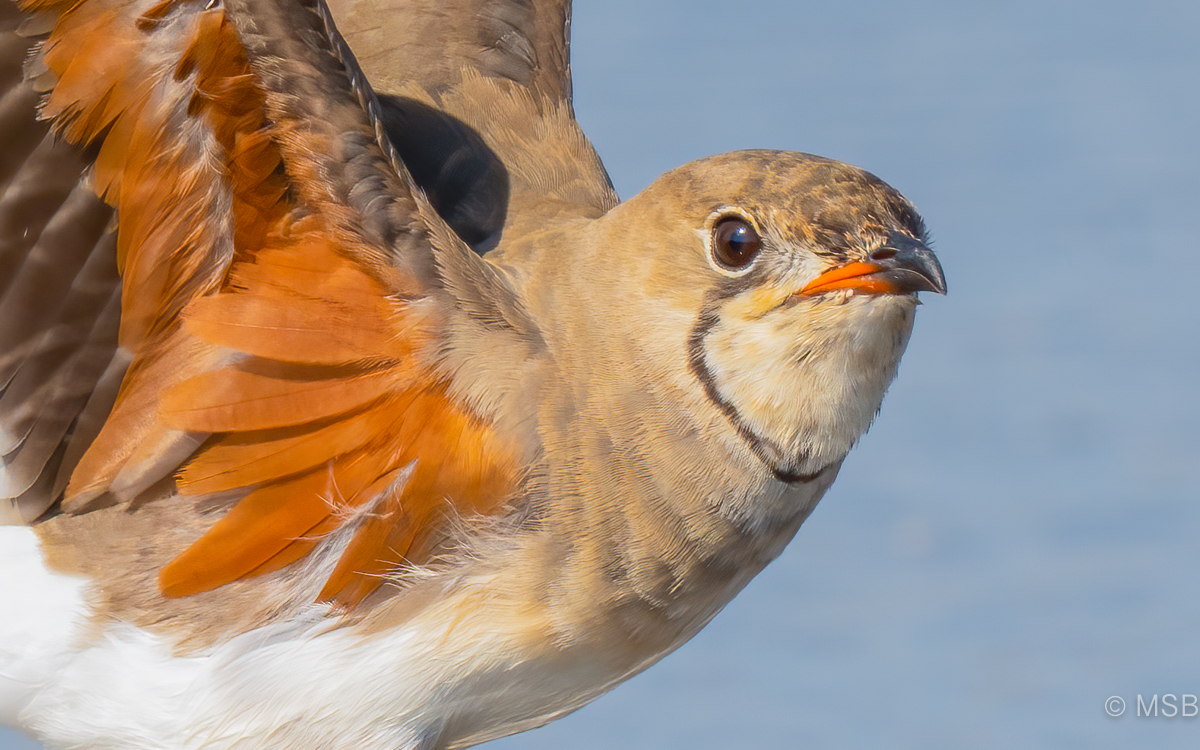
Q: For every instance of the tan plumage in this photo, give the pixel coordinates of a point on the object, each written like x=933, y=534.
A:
x=564, y=455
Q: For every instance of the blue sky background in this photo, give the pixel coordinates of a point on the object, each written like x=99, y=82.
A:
x=1018, y=537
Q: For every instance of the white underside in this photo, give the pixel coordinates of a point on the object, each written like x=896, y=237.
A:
x=41, y=613
x=292, y=685
x=54, y=687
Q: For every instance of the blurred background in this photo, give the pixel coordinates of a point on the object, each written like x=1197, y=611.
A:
x=1017, y=539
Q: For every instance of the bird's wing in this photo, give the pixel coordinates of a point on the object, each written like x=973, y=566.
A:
x=59, y=292
x=431, y=43
x=293, y=314
x=476, y=95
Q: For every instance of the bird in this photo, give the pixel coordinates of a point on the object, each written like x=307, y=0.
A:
x=343, y=404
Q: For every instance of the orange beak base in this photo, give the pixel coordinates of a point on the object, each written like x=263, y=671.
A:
x=861, y=277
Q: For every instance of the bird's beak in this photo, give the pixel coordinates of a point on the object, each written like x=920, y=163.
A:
x=901, y=266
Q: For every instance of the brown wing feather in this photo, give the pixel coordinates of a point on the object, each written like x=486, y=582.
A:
x=271, y=299
x=479, y=104
x=515, y=40
x=59, y=292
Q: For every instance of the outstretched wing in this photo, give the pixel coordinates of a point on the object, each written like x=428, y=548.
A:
x=476, y=96
x=402, y=41
x=292, y=310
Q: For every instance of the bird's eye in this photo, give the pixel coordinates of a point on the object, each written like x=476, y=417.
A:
x=735, y=244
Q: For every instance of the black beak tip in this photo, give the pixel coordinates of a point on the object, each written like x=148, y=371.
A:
x=912, y=266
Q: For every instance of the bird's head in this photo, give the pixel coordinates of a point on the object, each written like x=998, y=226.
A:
x=786, y=282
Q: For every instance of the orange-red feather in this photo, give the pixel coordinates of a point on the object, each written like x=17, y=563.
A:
x=251, y=318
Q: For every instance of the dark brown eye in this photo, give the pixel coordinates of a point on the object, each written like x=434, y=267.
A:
x=735, y=244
